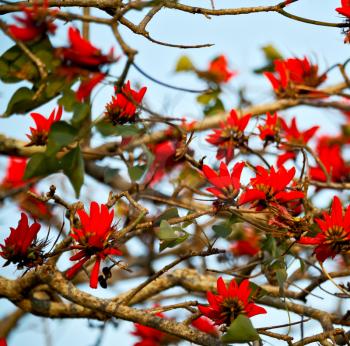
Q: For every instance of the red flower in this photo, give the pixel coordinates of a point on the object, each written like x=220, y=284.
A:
x=3, y=342
x=21, y=246
x=82, y=53
x=295, y=78
x=123, y=107
x=226, y=185
x=335, y=232
x=230, y=136
x=345, y=11
x=93, y=238
x=36, y=23
x=40, y=134
x=14, y=179
x=88, y=84
x=270, y=186
x=164, y=161
x=230, y=302
x=14, y=173
x=331, y=157
x=205, y=325
x=149, y=336
x=269, y=131
x=293, y=136
x=218, y=71
x=249, y=245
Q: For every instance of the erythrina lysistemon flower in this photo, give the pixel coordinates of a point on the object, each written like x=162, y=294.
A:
x=205, y=325
x=94, y=238
x=293, y=136
x=230, y=302
x=123, y=107
x=226, y=186
x=83, y=60
x=334, y=237
x=218, y=71
x=22, y=247
x=37, y=21
x=149, y=336
x=3, y=342
x=270, y=129
x=345, y=11
x=331, y=156
x=14, y=178
x=82, y=53
x=296, y=78
x=39, y=135
x=269, y=186
x=229, y=136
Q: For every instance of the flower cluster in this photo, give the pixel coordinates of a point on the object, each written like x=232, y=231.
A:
x=39, y=135
x=14, y=178
x=230, y=136
x=295, y=78
x=270, y=129
x=295, y=139
x=82, y=59
x=37, y=21
x=226, y=186
x=22, y=247
x=94, y=238
x=123, y=107
x=230, y=302
x=334, y=236
x=218, y=71
x=345, y=11
x=269, y=186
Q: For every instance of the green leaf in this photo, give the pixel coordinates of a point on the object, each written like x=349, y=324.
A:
x=222, y=230
x=41, y=165
x=80, y=112
x=61, y=134
x=166, y=215
x=241, y=330
x=137, y=172
x=108, y=129
x=184, y=64
x=68, y=100
x=217, y=107
x=271, y=53
x=170, y=236
x=206, y=98
x=280, y=270
x=73, y=168
x=20, y=101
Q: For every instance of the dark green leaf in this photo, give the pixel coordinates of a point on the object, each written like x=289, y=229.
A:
x=41, y=165
x=137, y=172
x=73, y=168
x=61, y=134
x=68, y=100
x=241, y=330
x=108, y=129
x=222, y=230
x=80, y=112
x=20, y=101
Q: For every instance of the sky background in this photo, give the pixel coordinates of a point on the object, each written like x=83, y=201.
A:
x=240, y=39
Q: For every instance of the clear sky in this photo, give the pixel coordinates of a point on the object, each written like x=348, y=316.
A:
x=240, y=39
